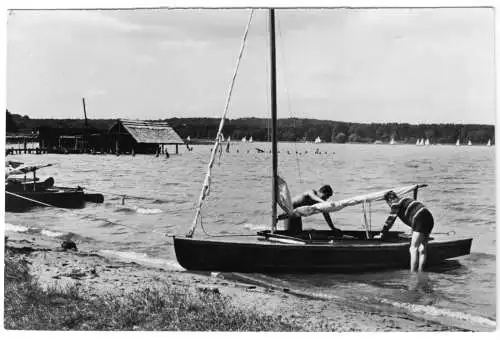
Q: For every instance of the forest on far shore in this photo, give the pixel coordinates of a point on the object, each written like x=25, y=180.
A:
x=289, y=129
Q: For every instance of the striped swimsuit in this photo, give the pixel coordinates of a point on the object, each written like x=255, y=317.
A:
x=414, y=214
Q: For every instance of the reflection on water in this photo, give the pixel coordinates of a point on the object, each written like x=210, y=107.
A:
x=161, y=195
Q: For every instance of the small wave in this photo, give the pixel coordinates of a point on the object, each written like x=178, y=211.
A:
x=148, y=211
x=119, y=232
x=142, y=259
x=54, y=234
x=16, y=228
x=33, y=230
x=477, y=257
x=124, y=209
x=436, y=312
x=159, y=201
x=105, y=224
x=412, y=164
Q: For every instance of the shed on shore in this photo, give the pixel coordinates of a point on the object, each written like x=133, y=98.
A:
x=136, y=136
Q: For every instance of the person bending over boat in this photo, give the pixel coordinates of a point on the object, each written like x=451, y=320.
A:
x=414, y=214
x=294, y=224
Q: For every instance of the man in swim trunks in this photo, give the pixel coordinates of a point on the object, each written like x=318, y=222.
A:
x=294, y=224
x=415, y=215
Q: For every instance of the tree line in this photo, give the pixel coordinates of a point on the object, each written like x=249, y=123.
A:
x=289, y=129
x=300, y=129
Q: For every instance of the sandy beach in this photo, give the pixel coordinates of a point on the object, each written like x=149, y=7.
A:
x=96, y=275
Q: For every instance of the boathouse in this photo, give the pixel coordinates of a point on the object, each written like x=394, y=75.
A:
x=146, y=137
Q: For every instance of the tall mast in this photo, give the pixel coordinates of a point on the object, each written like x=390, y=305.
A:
x=84, y=112
x=274, y=124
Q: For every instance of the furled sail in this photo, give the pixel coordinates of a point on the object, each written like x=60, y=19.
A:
x=332, y=206
x=218, y=139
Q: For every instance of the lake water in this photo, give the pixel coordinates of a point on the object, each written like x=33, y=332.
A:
x=461, y=196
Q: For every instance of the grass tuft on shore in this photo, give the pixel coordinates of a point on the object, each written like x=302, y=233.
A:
x=29, y=307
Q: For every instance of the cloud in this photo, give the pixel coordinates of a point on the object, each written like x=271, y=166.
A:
x=363, y=64
x=95, y=19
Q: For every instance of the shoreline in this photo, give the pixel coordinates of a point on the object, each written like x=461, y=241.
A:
x=96, y=275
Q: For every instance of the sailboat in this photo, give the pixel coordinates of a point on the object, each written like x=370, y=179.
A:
x=244, y=139
x=308, y=250
x=427, y=142
x=392, y=142
x=317, y=140
x=489, y=142
x=250, y=140
x=22, y=193
x=458, y=142
x=469, y=143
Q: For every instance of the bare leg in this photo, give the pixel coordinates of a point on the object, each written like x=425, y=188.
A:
x=416, y=241
x=422, y=253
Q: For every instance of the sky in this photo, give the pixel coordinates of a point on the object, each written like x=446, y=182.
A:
x=357, y=65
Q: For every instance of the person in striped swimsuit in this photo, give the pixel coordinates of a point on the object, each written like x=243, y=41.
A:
x=415, y=215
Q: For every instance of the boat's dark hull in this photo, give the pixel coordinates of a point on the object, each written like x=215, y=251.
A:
x=341, y=256
x=70, y=199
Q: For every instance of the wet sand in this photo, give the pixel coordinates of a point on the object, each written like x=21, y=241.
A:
x=96, y=275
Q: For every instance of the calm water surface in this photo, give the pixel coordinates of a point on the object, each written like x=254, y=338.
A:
x=461, y=195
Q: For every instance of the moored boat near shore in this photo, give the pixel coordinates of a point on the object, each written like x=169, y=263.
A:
x=275, y=251
x=311, y=251
x=22, y=194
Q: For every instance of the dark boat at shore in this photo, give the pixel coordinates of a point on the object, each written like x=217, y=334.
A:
x=305, y=251
x=22, y=194
x=310, y=251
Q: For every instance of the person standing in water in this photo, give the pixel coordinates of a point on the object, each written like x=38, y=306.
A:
x=415, y=215
x=308, y=198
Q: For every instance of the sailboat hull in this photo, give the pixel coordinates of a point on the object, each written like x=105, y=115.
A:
x=341, y=255
x=67, y=198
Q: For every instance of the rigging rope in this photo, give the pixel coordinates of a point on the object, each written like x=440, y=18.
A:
x=219, y=235
x=206, y=184
x=297, y=160
x=123, y=195
x=365, y=222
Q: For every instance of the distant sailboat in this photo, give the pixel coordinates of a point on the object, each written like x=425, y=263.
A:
x=244, y=139
x=458, y=142
x=251, y=139
x=317, y=140
x=427, y=142
x=469, y=143
x=392, y=142
x=489, y=142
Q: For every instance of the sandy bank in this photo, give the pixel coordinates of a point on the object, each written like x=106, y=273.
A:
x=96, y=275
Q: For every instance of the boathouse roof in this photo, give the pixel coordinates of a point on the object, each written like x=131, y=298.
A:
x=150, y=131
